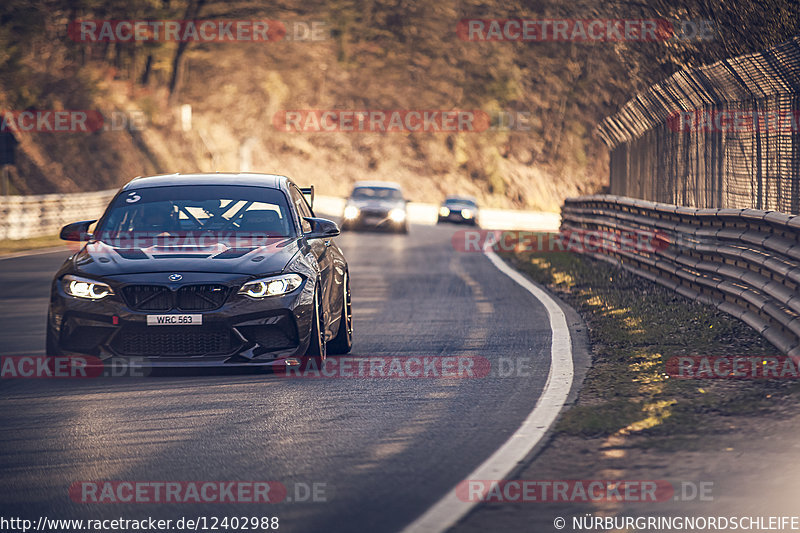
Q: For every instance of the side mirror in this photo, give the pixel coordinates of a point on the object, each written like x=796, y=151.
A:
x=77, y=231
x=321, y=228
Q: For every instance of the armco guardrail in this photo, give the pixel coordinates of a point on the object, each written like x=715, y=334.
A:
x=746, y=262
x=22, y=217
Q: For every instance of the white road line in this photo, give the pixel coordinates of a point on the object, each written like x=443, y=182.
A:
x=450, y=509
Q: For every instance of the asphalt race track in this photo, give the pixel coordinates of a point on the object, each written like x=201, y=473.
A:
x=380, y=451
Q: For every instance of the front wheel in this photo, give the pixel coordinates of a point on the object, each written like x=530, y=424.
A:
x=343, y=342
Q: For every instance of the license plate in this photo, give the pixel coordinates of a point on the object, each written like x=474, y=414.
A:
x=372, y=220
x=174, y=320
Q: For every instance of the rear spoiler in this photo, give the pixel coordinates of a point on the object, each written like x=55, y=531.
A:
x=309, y=193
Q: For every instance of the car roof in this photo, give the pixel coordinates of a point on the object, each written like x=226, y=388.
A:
x=272, y=181
x=384, y=184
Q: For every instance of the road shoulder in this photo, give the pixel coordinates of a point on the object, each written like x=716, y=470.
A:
x=631, y=422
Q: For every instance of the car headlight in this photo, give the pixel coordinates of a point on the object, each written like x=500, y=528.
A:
x=85, y=288
x=397, y=214
x=466, y=213
x=444, y=211
x=272, y=286
x=351, y=212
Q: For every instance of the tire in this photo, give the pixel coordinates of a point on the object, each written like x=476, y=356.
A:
x=317, y=347
x=343, y=342
x=403, y=229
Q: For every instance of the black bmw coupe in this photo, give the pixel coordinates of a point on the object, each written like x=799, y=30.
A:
x=204, y=270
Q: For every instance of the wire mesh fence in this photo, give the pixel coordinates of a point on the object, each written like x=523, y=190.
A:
x=726, y=135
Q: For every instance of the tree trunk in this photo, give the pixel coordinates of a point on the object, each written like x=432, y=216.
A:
x=148, y=66
x=192, y=11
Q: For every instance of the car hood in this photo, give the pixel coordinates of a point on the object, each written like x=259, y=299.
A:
x=244, y=258
x=377, y=204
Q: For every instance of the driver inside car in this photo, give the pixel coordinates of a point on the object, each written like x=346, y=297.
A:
x=156, y=220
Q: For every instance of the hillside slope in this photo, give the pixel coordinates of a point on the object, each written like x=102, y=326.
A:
x=375, y=55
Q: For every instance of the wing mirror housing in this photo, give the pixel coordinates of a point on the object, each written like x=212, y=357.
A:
x=77, y=231
x=321, y=228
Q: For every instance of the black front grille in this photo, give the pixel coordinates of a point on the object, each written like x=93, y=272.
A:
x=374, y=212
x=201, y=297
x=148, y=297
x=168, y=341
x=188, y=298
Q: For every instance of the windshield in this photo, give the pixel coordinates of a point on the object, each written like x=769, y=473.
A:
x=378, y=193
x=199, y=208
x=460, y=201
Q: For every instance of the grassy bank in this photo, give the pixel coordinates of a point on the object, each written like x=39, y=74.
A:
x=9, y=246
x=635, y=327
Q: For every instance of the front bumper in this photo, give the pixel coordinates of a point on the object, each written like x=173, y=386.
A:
x=374, y=220
x=241, y=332
x=457, y=218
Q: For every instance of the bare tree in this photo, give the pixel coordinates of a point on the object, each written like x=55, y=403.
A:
x=192, y=12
